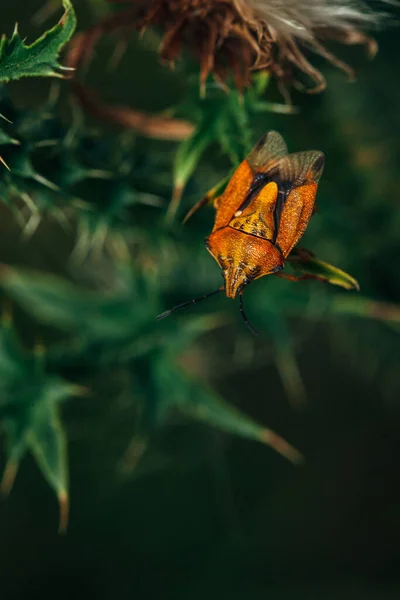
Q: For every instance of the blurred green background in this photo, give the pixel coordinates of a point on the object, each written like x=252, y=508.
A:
x=210, y=514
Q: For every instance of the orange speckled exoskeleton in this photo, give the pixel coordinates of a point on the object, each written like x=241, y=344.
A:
x=262, y=214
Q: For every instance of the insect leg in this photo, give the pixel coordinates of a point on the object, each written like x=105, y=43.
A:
x=211, y=197
x=203, y=202
x=289, y=277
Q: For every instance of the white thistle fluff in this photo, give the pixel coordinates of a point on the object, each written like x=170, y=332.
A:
x=301, y=18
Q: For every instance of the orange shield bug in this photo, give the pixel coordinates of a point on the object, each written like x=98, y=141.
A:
x=261, y=215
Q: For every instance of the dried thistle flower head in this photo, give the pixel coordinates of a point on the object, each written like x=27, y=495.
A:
x=239, y=36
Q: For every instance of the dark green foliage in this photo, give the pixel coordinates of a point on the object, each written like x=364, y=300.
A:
x=29, y=399
x=165, y=501
x=221, y=117
x=39, y=59
x=98, y=203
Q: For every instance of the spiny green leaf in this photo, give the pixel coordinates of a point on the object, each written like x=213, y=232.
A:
x=32, y=423
x=99, y=184
x=193, y=399
x=187, y=158
x=3, y=162
x=29, y=401
x=21, y=166
x=167, y=388
x=48, y=444
x=102, y=326
x=216, y=412
x=14, y=363
x=39, y=59
x=109, y=315
x=6, y=139
x=5, y=118
x=15, y=430
x=284, y=355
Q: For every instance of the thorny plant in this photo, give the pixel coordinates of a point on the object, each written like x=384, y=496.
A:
x=90, y=210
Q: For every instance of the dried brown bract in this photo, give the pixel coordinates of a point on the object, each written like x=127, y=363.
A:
x=239, y=36
x=222, y=34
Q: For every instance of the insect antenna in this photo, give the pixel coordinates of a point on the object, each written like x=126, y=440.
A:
x=245, y=319
x=188, y=303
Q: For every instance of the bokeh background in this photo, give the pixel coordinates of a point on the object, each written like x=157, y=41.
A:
x=210, y=514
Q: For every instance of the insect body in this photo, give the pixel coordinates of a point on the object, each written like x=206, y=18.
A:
x=262, y=214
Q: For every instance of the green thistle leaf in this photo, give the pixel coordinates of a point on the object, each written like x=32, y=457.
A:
x=39, y=59
x=94, y=316
x=29, y=401
x=48, y=444
x=285, y=355
x=190, y=398
x=6, y=140
x=187, y=158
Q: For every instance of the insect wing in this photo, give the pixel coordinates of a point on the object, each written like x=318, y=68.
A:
x=299, y=175
x=267, y=153
x=236, y=190
x=264, y=157
x=300, y=168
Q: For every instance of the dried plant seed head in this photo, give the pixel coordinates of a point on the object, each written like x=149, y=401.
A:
x=240, y=36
